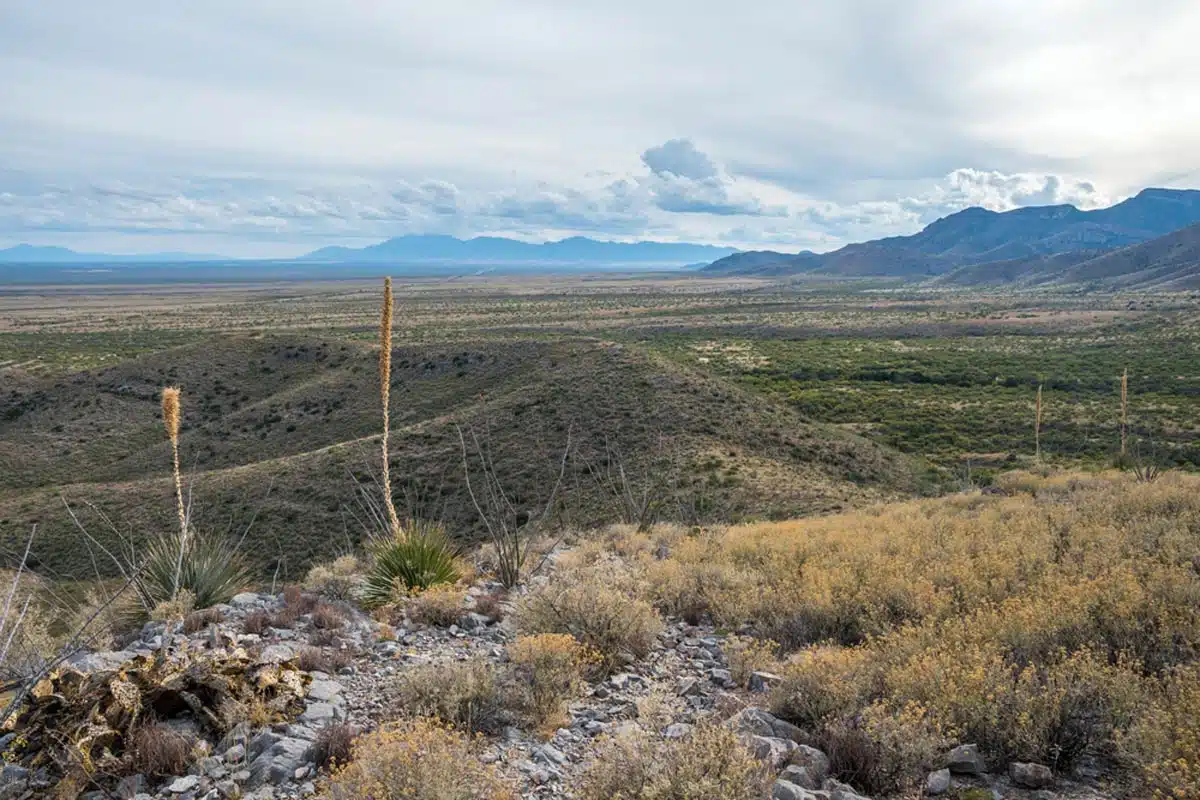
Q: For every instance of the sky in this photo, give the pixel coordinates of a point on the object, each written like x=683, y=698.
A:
x=256, y=128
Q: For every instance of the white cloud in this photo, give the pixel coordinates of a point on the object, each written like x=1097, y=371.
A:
x=253, y=119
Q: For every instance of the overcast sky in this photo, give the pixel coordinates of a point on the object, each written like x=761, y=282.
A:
x=249, y=127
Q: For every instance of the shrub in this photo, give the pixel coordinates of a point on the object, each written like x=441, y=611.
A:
x=441, y=606
x=884, y=752
x=417, y=760
x=326, y=617
x=709, y=764
x=317, y=659
x=199, y=620
x=747, y=655
x=820, y=683
x=423, y=559
x=605, y=619
x=333, y=745
x=212, y=570
x=550, y=669
x=159, y=751
x=489, y=605
x=1164, y=744
x=174, y=609
x=466, y=694
x=341, y=579
x=256, y=622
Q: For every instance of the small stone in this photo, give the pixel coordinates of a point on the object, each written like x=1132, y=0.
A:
x=840, y=791
x=318, y=713
x=244, y=600
x=815, y=764
x=324, y=690
x=184, y=784
x=689, y=687
x=1031, y=776
x=763, y=681
x=937, y=782
x=677, y=730
x=785, y=790
x=235, y=754
x=721, y=677
x=276, y=654
x=965, y=760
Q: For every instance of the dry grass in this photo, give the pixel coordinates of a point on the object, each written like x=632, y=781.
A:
x=199, y=620
x=1040, y=624
x=417, y=760
x=257, y=622
x=549, y=671
x=441, y=606
x=319, y=659
x=159, y=751
x=466, y=694
x=327, y=617
x=709, y=764
x=333, y=746
x=592, y=605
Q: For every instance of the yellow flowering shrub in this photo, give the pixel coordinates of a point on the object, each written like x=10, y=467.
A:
x=549, y=671
x=416, y=760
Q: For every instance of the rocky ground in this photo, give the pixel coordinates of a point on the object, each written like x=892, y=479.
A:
x=684, y=677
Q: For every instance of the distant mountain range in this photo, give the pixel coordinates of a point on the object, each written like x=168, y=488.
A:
x=33, y=254
x=484, y=250
x=1041, y=244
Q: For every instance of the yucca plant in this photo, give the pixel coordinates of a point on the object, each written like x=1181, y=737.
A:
x=1037, y=426
x=385, y=392
x=1124, y=409
x=208, y=567
x=421, y=558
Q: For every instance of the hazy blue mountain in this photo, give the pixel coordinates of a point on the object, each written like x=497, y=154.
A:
x=577, y=250
x=35, y=254
x=1025, y=236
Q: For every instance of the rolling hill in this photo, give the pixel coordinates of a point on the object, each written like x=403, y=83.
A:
x=1034, y=238
x=280, y=432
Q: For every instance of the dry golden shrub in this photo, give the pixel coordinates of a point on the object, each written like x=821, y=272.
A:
x=340, y=579
x=593, y=606
x=1039, y=623
x=747, y=655
x=708, y=764
x=416, y=760
x=1163, y=745
x=549, y=669
x=466, y=694
x=441, y=605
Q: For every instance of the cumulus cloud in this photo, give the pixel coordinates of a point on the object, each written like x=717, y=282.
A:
x=679, y=157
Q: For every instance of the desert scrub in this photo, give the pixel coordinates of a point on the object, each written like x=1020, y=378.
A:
x=440, y=606
x=885, y=751
x=415, y=760
x=588, y=605
x=549, y=670
x=340, y=579
x=709, y=764
x=466, y=694
x=747, y=655
x=1164, y=744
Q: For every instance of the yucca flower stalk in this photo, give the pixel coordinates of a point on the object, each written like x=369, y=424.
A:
x=172, y=411
x=1124, y=408
x=385, y=390
x=1037, y=426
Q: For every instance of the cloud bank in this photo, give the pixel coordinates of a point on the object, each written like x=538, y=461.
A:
x=263, y=128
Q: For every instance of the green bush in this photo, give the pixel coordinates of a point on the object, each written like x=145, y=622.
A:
x=401, y=566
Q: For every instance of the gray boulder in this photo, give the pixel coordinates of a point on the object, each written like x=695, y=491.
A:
x=965, y=760
x=938, y=782
x=1031, y=776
